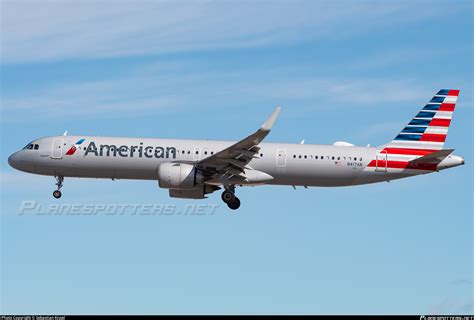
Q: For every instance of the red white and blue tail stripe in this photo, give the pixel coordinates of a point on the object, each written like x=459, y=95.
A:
x=425, y=134
x=428, y=129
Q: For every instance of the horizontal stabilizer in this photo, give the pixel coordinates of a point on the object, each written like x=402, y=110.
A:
x=435, y=157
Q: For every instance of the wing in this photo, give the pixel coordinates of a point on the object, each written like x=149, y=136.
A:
x=234, y=160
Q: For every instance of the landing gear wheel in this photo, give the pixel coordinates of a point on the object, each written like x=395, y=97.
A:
x=227, y=196
x=59, y=183
x=234, y=204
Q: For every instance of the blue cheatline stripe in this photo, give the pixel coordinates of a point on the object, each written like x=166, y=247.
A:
x=414, y=129
x=419, y=122
x=437, y=99
x=80, y=141
x=424, y=114
x=410, y=137
x=433, y=107
x=443, y=92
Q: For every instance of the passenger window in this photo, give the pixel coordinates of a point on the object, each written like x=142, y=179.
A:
x=360, y=159
x=338, y=158
x=333, y=158
x=294, y=156
x=306, y=157
x=299, y=156
x=316, y=157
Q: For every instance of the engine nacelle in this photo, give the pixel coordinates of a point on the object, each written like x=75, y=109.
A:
x=179, y=176
x=197, y=193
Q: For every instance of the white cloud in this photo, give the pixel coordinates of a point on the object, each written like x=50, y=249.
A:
x=343, y=90
x=152, y=90
x=49, y=30
x=453, y=305
x=462, y=282
x=387, y=129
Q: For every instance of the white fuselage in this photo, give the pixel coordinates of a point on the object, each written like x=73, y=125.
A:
x=139, y=158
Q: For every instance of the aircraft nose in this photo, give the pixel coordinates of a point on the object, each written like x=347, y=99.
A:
x=12, y=160
x=20, y=161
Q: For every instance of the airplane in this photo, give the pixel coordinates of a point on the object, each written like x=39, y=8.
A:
x=193, y=169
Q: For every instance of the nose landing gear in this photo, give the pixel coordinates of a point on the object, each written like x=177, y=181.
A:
x=59, y=183
x=228, y=196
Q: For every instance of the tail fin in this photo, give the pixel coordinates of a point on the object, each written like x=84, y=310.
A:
x=428, y=129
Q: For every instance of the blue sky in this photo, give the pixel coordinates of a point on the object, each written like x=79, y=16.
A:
x=344, y=70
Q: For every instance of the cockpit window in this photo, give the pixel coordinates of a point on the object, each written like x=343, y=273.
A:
x=31, y=146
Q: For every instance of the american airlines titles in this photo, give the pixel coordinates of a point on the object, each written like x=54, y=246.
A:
x=139, y=151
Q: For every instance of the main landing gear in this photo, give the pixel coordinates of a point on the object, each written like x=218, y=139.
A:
x=228, y=196
x=59, y=183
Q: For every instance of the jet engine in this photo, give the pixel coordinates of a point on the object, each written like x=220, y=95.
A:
x=197, y=193
x=179, y=176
